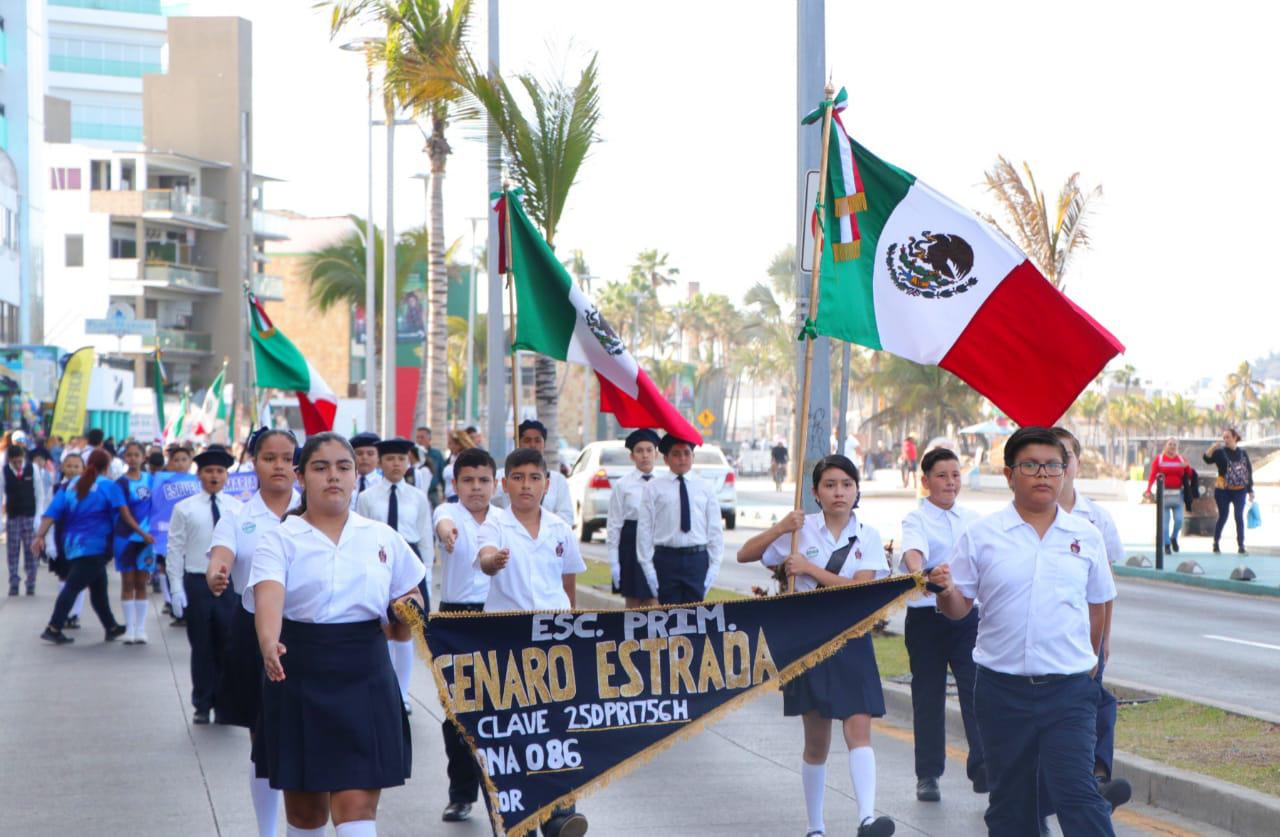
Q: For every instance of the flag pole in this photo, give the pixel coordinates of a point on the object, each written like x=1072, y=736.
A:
x=808, y=334
x=253, y=354
x=511, y=314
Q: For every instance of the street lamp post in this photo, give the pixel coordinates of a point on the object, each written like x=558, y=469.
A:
x=469, y=410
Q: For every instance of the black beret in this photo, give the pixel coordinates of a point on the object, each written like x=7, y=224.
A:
x=215, y=455
x=669, y=441
x=644, y=434
x=364, y=440
x=396, y=445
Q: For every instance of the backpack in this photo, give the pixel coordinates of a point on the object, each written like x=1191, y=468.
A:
x=1237, y=472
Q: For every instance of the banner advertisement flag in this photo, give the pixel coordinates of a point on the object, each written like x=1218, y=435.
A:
x=170, y=488
x=72, y=404
x=555, y=704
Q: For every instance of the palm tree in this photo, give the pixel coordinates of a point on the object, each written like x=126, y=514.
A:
x=1049, y=240
x=1241, y=391
x=544, y=154
x=914, y=391
x=1267, y=411
x=652, y=266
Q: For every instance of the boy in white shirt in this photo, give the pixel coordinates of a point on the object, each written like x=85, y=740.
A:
x=532, y=558
x=365, y=446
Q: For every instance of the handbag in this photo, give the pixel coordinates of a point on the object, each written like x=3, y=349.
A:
x=1254, y=516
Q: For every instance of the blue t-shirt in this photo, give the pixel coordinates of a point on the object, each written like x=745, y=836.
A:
x=87, y=523
x=137, y=493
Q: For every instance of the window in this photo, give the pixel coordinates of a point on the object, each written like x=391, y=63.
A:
x=75, y=251
x=124, y=241
x=106, y=123
x=103, y=58
x=64, y=178
x=99, y=175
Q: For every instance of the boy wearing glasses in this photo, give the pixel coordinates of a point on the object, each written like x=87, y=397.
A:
x=1044, y=582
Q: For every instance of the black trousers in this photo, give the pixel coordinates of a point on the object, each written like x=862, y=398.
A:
x=682, y=574
x=1227, y=499
x=89, y=572
x=935, y=643
x=209, y=619
x=463, y=769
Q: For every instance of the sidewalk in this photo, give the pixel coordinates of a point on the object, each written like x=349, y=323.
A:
x=95, y=739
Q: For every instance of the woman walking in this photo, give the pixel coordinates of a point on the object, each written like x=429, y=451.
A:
x=88, y=512
x=333, y=730
x=1175, y=469
x=135, y=560
x=1234, y=483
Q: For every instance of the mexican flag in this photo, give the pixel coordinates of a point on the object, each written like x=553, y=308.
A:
x=279, y=365
x=174, y=432
x=213, y=407
x=934, y=284
x=556, y=319
x=158, y=380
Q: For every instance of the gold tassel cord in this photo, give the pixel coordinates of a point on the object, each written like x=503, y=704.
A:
x=848, y=204
x=846, y=251
x=530, y=823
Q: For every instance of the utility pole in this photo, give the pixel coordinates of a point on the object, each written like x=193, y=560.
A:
x=495, y=343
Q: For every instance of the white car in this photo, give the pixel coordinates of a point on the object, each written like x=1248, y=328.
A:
x=602, y=463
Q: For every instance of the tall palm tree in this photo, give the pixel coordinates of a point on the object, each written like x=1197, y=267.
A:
x=1050, y=239
x=1242, y=390
x=652, y=266
x=545, y=147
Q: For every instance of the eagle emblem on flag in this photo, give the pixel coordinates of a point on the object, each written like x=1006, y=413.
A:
x=602, y=331
x=931, y=265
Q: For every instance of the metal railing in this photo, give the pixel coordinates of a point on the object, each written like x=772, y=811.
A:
x=180, y=275
x=146, y=7
x=268, y=225
x=172, y=340
x=184, y=203
x=267, y=286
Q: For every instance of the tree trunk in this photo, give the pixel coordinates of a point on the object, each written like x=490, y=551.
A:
x=546, y=397
x=434, y=390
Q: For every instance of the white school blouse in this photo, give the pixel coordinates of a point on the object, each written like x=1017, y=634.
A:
x=240, y=533
x=932, y=531
x=353, y=580
x=624, y=505
x=816, y=544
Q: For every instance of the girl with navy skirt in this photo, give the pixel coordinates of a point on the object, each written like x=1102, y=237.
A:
x=624, y=512
x=235, y=539
x=135, y=560
x=834, y=548
x=333, y=731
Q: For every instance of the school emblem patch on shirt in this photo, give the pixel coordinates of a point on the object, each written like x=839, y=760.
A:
x=1075, y=547
x=382, y=555
x=560, y=549
x=248, y=527
x=857, y=553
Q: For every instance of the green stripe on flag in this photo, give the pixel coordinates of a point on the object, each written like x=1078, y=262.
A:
x=846, y=305
x=545, y=319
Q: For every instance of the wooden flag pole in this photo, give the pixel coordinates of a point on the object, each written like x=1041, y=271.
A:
x=511, y=308
x=829, y=93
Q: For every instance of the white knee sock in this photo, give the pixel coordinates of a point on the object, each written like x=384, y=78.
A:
x=862, y=769
x=358, y=828
x=402, y=662
x=78, y=606
x=814, y=777
x=127, y=607
x=140, y=617
x=266, y=803
x=294, y=831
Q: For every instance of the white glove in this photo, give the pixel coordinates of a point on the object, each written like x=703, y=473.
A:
x=178, y=597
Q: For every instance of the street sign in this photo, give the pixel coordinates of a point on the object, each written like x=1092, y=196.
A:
x=706, y=418
x=806, y=220
x=120, y=321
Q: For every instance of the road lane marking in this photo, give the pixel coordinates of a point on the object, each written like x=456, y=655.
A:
x=1242, y=641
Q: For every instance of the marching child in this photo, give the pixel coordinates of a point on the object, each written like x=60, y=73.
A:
x=532, y=558
x=71, y=467
x=625, y=504
x=135, y=560
x=366, y=447
x=20, y=503
x=834, y=548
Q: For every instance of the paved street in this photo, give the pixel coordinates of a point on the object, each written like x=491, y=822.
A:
x=95, y=740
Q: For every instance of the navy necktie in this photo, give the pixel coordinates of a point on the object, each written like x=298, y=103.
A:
x=646, y=477
x=217, y=515
x=393, y=509
x=686, y=519
x=363, y=485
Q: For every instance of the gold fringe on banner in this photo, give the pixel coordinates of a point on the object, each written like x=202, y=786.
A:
x=846, y=251
x=851, y=203
x=530, y=823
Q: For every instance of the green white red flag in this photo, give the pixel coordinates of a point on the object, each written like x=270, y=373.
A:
x=279, y=365
x=555, y=318
x=935, y=284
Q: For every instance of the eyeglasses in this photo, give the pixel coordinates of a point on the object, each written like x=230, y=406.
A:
x=1050, y=469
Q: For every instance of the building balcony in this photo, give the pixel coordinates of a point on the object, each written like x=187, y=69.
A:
x=184, y=208
x=180, y=277
x=102, y=66
x=172, y=340
x=270, y=226
x=268, y=287
x=146, y=7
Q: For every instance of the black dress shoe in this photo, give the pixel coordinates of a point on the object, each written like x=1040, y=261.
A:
x=1174, y=543
x=1117, y=792
x=200, y=716
x=1216, y=548
x=456, y=812
x=878, y=827
x=114, y=631
x=73, y=623
x=31, y=591
x=1168, y=549
x=980, y=784
x=1240, y=551
x=178, y=623
x=927, y=790
x=56, y=637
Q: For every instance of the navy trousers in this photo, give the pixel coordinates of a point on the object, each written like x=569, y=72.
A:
x=209, y=619
x=1048, y=728
x=682, y=576
x=463, y=769
x=935, y=643
x=1104, y=751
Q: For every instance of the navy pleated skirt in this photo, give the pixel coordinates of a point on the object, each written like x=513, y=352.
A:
x=631, y=580
x=239, y=694
x=846, y=683
x=336, y=722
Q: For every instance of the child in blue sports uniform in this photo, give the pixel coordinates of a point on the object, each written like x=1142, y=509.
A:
x=135, y=560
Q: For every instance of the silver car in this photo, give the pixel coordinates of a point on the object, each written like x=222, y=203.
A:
x=601, y=464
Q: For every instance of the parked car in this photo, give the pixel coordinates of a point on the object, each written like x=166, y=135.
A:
x=601, y=464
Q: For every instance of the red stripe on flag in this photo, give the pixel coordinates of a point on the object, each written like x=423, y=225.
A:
x=649, y=409
x=1030, y=350
x=500, y=207
x=317, y=416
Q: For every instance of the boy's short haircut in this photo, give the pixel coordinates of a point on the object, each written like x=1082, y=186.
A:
x=1025, y=436
x=474, y=458
x=522, y=456
x=935, y=456
x=1068, y=438
x=17, y=452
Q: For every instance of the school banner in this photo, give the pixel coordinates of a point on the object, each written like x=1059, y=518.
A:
x=556, y=704
x=72, y=404
x=170, y=488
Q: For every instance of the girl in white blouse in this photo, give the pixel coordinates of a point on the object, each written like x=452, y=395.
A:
x=334, y=732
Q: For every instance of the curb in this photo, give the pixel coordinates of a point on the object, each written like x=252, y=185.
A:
x=1193, y=795
x=1221, y=584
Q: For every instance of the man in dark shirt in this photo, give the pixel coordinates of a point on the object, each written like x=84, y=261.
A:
x=20, y=507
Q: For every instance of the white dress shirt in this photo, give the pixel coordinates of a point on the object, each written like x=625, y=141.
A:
x=659, y=523
x=533, y=577
x=462, y=583
x=354, y=580
x=1035, y=592
x=557, y=499
x=240, y=533
x=191, y=533
x=932, y=531
x=624, y=505
x=370, y=480
x=1104, y=523
x=817, y=544
x=413, y=516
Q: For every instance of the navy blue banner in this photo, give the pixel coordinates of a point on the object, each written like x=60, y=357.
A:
x=557, y=703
